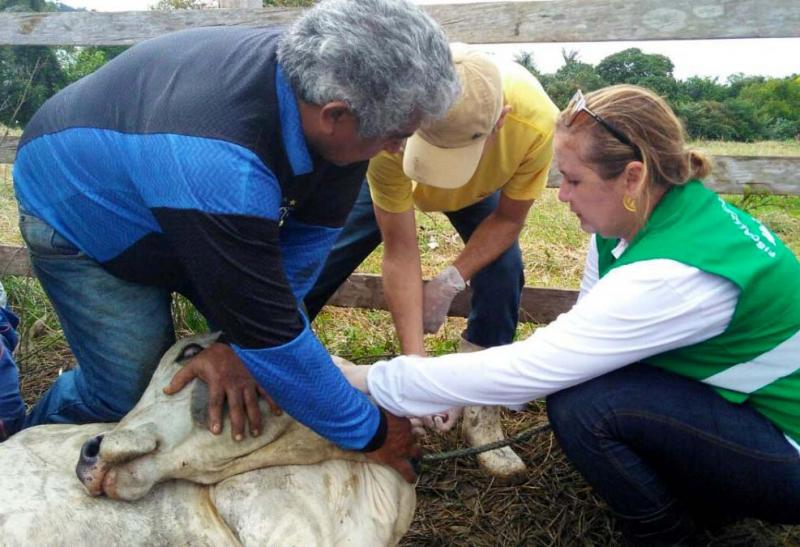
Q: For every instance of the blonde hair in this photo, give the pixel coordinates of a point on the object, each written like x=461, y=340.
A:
x=650, y=124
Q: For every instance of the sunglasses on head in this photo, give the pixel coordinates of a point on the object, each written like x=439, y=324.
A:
x=577, y=104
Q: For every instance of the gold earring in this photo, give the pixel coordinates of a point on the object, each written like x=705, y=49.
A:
x=629, y=203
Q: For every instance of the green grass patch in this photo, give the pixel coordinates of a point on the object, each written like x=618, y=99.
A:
x=762, y=148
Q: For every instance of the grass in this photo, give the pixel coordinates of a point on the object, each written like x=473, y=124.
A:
x=457, y=505
x=762, y=148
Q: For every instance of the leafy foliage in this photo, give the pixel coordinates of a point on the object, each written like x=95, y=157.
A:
x=28, y=75
x=745, y=108
x=79, y=62
x=574, y=74
x=632, y=66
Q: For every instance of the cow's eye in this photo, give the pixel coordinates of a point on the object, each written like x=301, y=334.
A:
x=190, y=351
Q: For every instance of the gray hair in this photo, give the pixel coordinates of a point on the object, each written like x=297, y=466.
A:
x=387, y=59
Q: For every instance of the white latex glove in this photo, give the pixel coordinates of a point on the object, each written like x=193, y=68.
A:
x=355, y=374
x=437, y=295
x=443, y=421
x=417, y=427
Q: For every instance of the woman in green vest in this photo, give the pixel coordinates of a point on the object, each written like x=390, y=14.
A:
x=673, y=385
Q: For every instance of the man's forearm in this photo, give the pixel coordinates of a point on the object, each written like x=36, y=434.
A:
x=402, y=288
x=489, y=240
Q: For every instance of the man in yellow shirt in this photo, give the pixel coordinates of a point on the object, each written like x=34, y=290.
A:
x=482, y=165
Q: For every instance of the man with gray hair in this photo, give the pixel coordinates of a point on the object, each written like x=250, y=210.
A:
x=220, y=163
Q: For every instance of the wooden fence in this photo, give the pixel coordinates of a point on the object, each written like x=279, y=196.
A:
x=500, y=22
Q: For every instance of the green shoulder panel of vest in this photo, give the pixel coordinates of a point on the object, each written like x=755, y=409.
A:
x=694, y=226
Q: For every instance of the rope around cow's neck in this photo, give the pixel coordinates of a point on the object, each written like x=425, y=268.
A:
x=461, y=452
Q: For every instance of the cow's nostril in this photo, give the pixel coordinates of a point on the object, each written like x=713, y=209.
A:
x=91, y=448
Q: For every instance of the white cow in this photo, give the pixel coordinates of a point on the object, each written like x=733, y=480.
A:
x=287, y=486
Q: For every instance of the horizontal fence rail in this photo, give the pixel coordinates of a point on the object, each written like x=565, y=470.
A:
x=538, y=305
x=509, y=22
x=731, y=174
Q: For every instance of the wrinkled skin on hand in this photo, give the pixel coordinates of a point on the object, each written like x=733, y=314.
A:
x=228, y=381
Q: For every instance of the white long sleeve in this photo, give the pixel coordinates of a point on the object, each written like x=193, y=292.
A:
x=634, y=312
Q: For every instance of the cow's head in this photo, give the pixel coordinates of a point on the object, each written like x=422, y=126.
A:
x=166, y=436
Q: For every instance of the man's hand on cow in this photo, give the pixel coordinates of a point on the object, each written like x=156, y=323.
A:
x=437, y=295
x=227, y=378
x=400, y=450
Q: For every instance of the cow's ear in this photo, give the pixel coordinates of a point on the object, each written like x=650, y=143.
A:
x=190, y=351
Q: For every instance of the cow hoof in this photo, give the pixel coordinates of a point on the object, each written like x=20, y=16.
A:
x=504, y=466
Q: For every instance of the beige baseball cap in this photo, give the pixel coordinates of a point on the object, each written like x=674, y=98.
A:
x=446, y=152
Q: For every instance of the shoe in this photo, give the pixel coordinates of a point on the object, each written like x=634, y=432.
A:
x=3, y=435
x=480, y=425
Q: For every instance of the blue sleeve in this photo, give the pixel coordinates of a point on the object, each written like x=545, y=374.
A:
x=304, y=248
x=303, y=380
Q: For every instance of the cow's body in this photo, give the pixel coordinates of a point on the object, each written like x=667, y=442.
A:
x=326, y=502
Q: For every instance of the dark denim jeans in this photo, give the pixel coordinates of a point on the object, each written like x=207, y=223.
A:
x=117, y=331
x=496, y=289
x=12, y=409
x=667, y=453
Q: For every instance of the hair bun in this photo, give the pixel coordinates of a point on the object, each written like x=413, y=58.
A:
x=699, y=164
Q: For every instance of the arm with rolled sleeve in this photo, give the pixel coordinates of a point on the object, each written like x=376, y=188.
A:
x=401, y=269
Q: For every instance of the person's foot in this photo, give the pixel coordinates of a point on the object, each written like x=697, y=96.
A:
x=3, y=435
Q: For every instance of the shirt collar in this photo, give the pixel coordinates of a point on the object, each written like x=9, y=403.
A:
x=294, y=140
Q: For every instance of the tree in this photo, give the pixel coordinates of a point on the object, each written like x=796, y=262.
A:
x=525, y=59
x=731, y=120
x=82, y=61
x=573, y=75
x=28, y=75
x=698, y=88
x=632, y=66
x=26, y=5
x=738, y=81
x=777, y=102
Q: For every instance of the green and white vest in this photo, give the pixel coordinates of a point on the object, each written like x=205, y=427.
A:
x=757, y=358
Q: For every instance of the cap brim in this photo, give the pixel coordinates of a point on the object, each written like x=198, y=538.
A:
x=440, y=167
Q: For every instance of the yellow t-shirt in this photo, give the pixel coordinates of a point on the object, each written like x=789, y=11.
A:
x=518, y=161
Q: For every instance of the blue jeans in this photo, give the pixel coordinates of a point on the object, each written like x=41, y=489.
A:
x=117, y=331
x=12, y=409
x=496, y=289
x=667, y=453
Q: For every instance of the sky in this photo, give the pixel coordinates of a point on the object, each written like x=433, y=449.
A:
x=711, y=58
